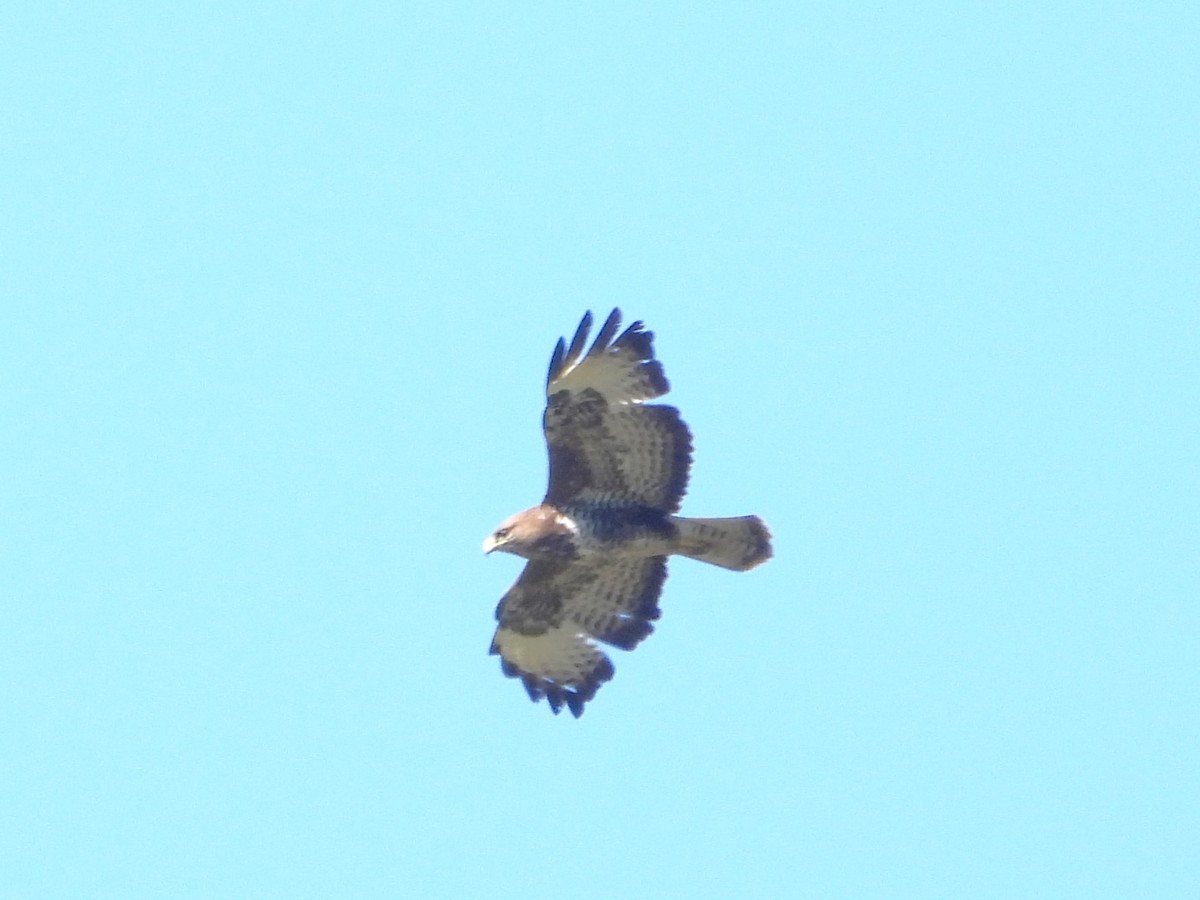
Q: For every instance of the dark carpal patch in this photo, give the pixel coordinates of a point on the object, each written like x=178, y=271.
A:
x=533, y=613
x=574, y=429
x=583, y=410
x=535, y=603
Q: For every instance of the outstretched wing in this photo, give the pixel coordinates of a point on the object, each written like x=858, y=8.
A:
x=551, y=619
x=605, y=444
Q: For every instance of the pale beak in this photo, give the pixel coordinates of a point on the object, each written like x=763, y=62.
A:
x=489, y=544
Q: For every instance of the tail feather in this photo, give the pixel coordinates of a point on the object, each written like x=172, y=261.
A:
x=739, y=543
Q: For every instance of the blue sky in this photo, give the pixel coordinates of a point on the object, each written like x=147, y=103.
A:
x=279, y=286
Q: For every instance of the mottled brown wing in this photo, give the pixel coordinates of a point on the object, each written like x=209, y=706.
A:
x=605, y=444
x=551, y=619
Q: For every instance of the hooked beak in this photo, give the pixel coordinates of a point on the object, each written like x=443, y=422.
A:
x=489, y=544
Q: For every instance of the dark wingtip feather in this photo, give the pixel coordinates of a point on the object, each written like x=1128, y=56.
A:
x=641, y=343
x=575, y=704
x=581, y=333
x=607, y=330
x=565, y=356
x=556, y=361
x=533, y=686
x=636, y=337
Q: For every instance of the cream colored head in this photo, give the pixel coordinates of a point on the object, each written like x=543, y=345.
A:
x=536, y=532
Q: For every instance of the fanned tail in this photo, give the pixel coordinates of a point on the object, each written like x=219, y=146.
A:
x=737, y=543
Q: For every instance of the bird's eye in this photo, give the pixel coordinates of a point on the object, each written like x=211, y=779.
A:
x=501, y=532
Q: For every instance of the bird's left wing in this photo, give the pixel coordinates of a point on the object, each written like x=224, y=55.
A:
x=606, y=444
x=551, y=619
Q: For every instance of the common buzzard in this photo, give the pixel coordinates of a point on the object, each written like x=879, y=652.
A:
x=597, y=545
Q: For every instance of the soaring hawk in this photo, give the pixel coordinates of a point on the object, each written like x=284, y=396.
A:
x=597, y=545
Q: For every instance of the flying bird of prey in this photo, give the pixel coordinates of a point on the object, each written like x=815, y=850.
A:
x=597, y=545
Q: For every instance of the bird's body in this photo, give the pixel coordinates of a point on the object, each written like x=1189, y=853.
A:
x=597, y=545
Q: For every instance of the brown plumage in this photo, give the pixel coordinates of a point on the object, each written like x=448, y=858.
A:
x=597, y=545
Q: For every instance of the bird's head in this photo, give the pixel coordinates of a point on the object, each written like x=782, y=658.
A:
x=534, y=532
x=506, y=537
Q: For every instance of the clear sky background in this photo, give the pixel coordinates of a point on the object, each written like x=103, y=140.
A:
x=279, y=286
